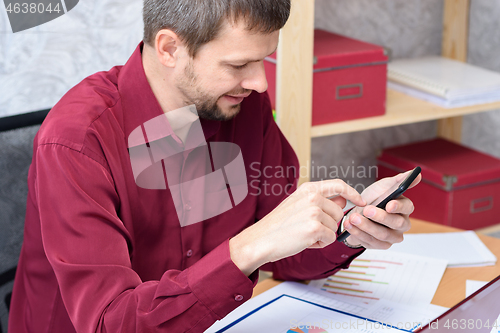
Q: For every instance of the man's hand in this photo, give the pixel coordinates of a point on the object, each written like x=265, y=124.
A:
x=306, y=219
x=392, y=222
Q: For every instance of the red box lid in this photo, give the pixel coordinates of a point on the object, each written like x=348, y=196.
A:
x=333, y=50
x=445, y=164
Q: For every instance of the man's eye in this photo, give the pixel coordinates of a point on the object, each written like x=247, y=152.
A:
x=240, y=67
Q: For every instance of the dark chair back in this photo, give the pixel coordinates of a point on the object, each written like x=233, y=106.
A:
x=16, y=146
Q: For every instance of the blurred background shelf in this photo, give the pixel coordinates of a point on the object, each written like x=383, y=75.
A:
x=401, y=109
x=294, y=84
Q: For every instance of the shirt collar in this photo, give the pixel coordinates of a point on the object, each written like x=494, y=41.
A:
x=139, y=102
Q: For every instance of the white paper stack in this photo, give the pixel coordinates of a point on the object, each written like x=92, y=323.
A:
x=460, y=249
x=444, y=81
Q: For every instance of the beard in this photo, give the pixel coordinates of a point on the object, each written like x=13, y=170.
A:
x=206, y=105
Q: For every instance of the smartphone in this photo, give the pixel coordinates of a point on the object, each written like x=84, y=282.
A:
x=391, y=194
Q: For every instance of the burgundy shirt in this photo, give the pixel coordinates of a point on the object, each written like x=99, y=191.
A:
x=101, y=254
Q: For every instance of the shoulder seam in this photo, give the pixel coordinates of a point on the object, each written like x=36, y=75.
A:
x=78, y=151
x=91, y=124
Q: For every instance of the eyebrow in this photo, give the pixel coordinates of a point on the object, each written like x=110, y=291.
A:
x=246, y=61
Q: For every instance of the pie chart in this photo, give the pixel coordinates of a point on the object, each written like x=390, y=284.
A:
x=307, y=330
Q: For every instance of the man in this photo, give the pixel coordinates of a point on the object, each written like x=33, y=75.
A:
x=103, y=254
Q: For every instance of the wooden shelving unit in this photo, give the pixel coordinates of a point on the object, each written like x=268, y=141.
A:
x=401, y=109
x=294, y=84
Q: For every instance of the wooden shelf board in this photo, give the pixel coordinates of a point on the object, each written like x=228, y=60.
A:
x=401, y=109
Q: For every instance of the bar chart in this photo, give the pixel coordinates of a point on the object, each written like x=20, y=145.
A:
x=378, y=275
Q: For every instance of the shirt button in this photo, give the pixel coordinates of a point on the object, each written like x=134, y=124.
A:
x=238, y=298
x=187, y=207
x=189, y=253
x=345, y=256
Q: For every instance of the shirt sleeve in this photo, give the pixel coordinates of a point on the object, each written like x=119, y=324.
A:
x=275, y=187
x=88, y=248
x=312, y=264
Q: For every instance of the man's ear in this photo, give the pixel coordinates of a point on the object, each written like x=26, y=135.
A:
x=168, y=46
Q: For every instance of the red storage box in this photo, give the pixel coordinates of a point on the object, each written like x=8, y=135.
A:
x=350, y=78
x=460, y=186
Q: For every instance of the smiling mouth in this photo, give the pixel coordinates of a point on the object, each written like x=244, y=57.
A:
x=236, y=99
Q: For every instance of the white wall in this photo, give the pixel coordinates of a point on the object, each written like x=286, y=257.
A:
x=38, y=66
x=482, y=131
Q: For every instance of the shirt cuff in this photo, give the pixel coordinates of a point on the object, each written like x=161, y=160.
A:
x=341, y=255
x=218, y=283
x=341, y=230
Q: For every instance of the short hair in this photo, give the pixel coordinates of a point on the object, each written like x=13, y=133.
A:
x=198, y=22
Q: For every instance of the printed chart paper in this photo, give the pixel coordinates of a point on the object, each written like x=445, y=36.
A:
x=288, y=314
x=375, y=275
x=382, y=311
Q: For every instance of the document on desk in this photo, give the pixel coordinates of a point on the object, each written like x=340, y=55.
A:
x=376, y=274
x=461, y=249
x=471, y=286
x=297, y=308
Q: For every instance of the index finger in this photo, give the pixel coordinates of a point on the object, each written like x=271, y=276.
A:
x=336, y=187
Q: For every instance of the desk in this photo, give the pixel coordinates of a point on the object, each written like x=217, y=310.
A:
x=451, y=290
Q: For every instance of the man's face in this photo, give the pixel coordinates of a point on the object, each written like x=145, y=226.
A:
x=225, y=71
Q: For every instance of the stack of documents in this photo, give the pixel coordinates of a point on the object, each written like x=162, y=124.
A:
x=460, y=249
x=444, y=82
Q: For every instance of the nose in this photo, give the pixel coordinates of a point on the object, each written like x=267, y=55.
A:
x=255, y=78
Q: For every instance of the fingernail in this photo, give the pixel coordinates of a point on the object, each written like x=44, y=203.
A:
x=356, y=220
x=347, y=226
x=393, y=208
x=370, y=212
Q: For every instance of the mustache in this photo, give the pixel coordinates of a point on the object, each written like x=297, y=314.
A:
x=239, y=92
